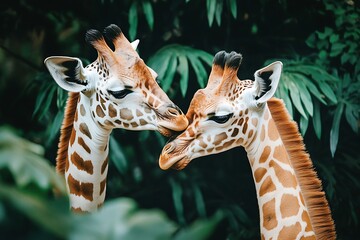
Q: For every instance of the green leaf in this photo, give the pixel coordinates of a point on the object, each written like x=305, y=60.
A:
x=211, y=7
x=170, y=73
x=218, y=11
x=25, y=162
x=55, y=126
x=200, y=229
x=317, y=119
x=157, y=61
x=304, y=123
x=183, y=70
x=334, y=132
x=295, y=97
x=177, y=199
x=199, y=201
x=149, y=15
x=133, y=21
x=200, y=72
x=314, y=90
x=117, y=156
x=44, y=100
x=53, y=215
x=304, y=96
x=329, y=93
x=352, y=117
x=233, y=7
x=310, y=41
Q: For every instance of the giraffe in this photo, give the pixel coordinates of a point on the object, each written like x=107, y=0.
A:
x=117, y=90
x=230, y=112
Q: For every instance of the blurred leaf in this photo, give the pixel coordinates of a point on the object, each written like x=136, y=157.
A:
x=55, y=126
x=199, y=201
x=170, y=73
x=117, y=156
x=317, y=119
x=211, y=8
x=200, y=229
x=334, y=132
x=148, y=11
x=43, y=101
x=25, y=162
x=218, y=11
x=120, y=219
x=52, y=215
x=352, y=116
x=177, y=199
x=133, y=20
x=183, y=70
x=233, y=7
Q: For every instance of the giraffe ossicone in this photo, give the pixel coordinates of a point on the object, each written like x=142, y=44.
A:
x=229, y=113
x=117, y=90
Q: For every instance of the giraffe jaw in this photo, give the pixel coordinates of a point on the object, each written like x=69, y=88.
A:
x=178, y=162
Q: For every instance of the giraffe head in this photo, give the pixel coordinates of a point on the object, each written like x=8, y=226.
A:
x=225, y=114
x=120, y=88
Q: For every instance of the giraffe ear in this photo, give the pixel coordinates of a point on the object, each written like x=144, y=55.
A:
x=68, y=72
x=266, y=81
x=135, y=44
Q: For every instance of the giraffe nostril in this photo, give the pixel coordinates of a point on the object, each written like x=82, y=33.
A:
x=168, y=148
x=174, y=111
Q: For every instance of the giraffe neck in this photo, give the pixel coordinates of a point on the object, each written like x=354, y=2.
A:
x=87, y=160
x=283, y=211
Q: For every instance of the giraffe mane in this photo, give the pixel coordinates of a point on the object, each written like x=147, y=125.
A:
x=310, y=184
x=65, y=131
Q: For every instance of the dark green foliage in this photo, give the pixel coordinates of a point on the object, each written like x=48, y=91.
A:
x=214, y=197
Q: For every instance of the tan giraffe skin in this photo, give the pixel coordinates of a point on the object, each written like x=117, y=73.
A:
x=117, y=90
x=230, y=113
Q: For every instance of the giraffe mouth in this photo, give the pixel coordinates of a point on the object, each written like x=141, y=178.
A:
x=174, y=156
x=167, y=132
x=175, y=162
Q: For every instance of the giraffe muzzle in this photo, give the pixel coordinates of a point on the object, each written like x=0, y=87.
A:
x=172, y=158
x=172, y=120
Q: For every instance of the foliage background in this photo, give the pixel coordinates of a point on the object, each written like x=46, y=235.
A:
x=213, y=198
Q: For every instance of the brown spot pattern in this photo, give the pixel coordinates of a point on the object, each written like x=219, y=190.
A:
x=80, y=189
x=269, y=215
x=267, y=186
x=265, y=154
x=72, y=137
x=259, y=174
x=289, y=205
x=219, y=138
x=82, y=110
x=286, y=178
x=104, y=165
x=99, y=111
x=85, y=130
x=281, y=154
x=305, y=217
x=126, y=114
x=112, y=111
x=80, y=164
x=102, y=186
x=235, y=132
x=273, y=132
x=290, y=232
x=84, y=145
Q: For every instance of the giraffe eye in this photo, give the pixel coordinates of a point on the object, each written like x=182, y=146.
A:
x=221, y=119
x=120, y=94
